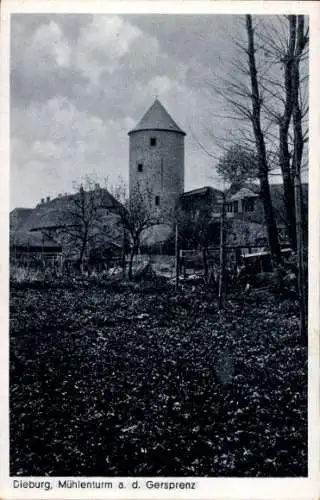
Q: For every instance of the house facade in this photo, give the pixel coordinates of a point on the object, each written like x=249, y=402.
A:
x=53, y=231
x=241, y=200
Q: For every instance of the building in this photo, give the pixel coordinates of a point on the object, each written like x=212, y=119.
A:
x=156, y=172
x=53, y=230
x=246, y=220
x=242, y=199
x=206, y=197
x=156, y=159
x=28, y=246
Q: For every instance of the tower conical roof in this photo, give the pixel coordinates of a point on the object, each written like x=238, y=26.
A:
x=157, y=118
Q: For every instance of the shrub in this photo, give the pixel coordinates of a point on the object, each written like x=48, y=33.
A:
x=22, y=274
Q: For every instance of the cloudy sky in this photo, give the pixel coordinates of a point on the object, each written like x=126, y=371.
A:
x=79, y=83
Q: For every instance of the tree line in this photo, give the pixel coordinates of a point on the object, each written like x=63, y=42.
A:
x=266, y=93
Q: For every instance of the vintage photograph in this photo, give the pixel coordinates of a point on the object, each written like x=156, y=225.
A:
x=159, y=245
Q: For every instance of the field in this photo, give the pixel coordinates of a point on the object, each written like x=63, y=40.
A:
x=142, y=381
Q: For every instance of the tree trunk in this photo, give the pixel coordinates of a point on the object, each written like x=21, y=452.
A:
x=123, y=254
x=261, y=148
x=82, y=250
x=302, y=291
x=205, y=263
x=288, y=187
x=269, y=218
x=132, y=254
x=284, y=155
x=123, y=263
x=297, y=159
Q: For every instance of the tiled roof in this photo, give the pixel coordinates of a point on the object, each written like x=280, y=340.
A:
x=157, y=118
x=18, y=216
x=203, y=191
x=31, y=231
x=53, y=214
x=20, y=234
x=243, y=193
x=236, y=188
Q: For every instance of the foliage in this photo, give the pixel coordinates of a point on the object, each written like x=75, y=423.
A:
x=237, y=165
x=19, y=274
x=119, y=383
x=198, y=227
x=193, y=228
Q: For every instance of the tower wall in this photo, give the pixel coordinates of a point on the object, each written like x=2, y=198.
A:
x=162, y=167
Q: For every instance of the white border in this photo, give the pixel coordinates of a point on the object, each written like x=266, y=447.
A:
x=307, y=488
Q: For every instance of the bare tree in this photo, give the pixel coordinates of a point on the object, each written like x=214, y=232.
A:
x=284, y=54
x=284, y=123
x=302, y=40
x=260, y=144
x=84, y=220
x=291, y=51
x=276, y=53
x=136, y=217
x=241, y=92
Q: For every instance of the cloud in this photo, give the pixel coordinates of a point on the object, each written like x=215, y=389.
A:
x=81, y=82
x=41, y=68
x=101, y=45
x=160, y=84
x=61, y=145
x=44, y=149
x=50, y=45
x=111, y=34
x=46, y=50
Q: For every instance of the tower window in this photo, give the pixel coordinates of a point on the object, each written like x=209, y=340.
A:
x=153, y=141
x=140, y=167
x=157, y=200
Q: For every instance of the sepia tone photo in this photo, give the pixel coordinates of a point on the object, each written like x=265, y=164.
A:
x=159, y=246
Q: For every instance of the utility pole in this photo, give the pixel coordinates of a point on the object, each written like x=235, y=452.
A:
x=176, y=250
x=222, y=256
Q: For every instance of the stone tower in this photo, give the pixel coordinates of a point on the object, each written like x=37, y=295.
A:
x=156, y=158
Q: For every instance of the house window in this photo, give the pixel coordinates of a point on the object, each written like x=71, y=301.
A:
x=249, y=205
x=153, y=141
x=235, y=207
x=157, y=200
x=229, y=207
x=140, y=167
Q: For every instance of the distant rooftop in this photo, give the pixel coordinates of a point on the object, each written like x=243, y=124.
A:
x=157, y=118
x=203, y=191
x=243, y=193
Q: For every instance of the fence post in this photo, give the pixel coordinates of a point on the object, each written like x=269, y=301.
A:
x=176, y=256
x=222, y=257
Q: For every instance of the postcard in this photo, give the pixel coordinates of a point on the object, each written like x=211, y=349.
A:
x=160, y=256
